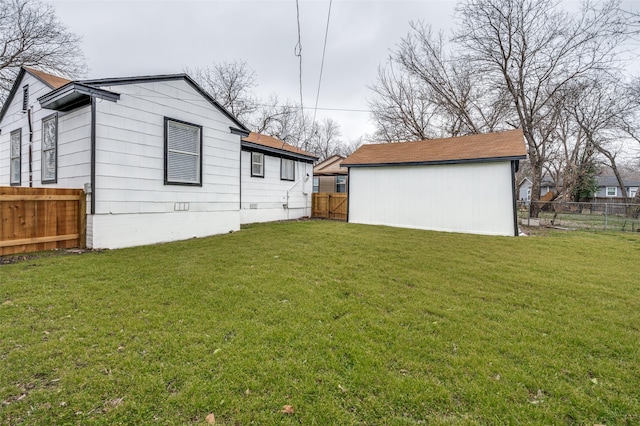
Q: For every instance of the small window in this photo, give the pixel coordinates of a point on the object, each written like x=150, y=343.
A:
x=25, y=98
x=528, y=194
x=50, y=149
x=612, y=191
x=257, y=164
x=16, y=157
x=287, y=170
x=316, y=184
x=633, y=192
x=183, y=153
x=341, y=184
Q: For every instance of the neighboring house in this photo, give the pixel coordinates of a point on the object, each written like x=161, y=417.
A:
x=275, y=180
x=524, y=188
x=464, y=184
x=159, y=158
x=609, y=187
x=329, y=176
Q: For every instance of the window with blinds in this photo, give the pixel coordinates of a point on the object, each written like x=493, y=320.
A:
x=287, y=170
x=50, y=149
x=16, y=157
x=257, y=164
x=183, y=153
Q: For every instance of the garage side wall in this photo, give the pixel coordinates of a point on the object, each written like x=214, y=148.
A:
x=470, y=198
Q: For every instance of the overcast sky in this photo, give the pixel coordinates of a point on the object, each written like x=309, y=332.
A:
x=129, y=38
x=145, y=37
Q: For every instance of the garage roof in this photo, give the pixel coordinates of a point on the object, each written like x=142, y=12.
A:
x=498, y=146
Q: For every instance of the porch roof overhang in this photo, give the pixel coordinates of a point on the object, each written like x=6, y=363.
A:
x=74, y=95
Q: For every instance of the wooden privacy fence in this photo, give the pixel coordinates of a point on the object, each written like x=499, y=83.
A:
x=329, y=205
x=36, y=219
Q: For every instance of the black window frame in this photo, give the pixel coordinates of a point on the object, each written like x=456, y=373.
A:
x=251, y=165
x=293, y=167
x=53, y=117
x=166, y=152
x=11, y=158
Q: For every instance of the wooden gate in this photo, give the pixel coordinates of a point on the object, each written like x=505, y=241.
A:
x=329, y=205
x=36, y=219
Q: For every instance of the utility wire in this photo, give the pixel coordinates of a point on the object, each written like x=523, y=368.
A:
x=297, y=50
x=324, y=49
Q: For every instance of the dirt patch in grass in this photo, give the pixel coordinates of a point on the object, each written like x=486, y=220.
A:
x=17, y=258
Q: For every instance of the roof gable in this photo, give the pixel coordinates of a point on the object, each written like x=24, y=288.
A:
x=50, y=80
x=164, y=77
x=482, y=147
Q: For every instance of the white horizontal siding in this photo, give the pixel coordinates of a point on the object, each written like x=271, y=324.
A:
x=268, y=198
x=73, y=139
x=130, y=152
x=470, y=198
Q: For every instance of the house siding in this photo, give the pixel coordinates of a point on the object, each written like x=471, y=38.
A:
x=268, y=198
x=469, y=198
x=133, y=204
x=602, y=191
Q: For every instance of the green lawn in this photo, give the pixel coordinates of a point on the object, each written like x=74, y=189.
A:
x=347, y=324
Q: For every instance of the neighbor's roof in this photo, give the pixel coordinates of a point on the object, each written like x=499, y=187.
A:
x=51, y=80
x=277, y=144
x=507, y=145
x=613, y=181
x=330, y=167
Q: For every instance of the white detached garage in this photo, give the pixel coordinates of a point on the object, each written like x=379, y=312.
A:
x=464, y=184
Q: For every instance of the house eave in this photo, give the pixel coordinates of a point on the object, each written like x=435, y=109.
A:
x=439, y=162
x=250, y=146
x=74, y=95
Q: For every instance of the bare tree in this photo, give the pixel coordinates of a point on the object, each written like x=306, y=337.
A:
x=231, y=84
x=601, y=109
x=325, y=138
x=534, y=50
x=31, y=35
x=349, y=147
x=400, y=108
x=283, y=121
x=425, y=92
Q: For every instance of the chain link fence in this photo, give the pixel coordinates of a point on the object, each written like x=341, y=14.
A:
x=598, y=216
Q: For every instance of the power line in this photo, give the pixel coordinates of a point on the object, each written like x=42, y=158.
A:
x=324, y=49
x=297, y=50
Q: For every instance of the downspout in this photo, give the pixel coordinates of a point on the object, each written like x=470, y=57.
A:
x=513, y=197
x=293, y=186
x=30, y=148
x=93, y=156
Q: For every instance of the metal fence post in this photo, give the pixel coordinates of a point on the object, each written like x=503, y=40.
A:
x=606, y=209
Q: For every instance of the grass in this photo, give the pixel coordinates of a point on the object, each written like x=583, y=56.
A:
x=347, y=324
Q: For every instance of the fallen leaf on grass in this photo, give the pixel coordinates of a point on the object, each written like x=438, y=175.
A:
x=115, y=402
x=342, y=388
x=288, y=409
x=594, y=381
x=211, y=419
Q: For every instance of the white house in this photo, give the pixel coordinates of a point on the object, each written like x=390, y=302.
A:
x=276, y=180
x=464, y=184
x=159, y=158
